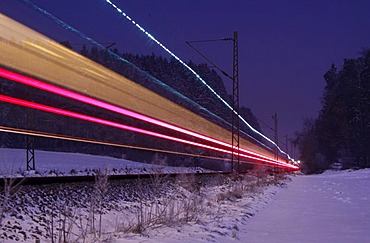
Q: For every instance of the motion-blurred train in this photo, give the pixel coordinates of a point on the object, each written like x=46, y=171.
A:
x=32, y=59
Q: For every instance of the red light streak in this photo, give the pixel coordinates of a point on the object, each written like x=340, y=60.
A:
x=88, y=100
x=93, y=141
x=79, y=116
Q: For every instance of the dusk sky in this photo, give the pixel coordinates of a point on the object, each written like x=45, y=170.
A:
x=285, y=47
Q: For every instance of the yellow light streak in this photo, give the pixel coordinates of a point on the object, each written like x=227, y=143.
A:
x=75, y=72
x=43, y=49
x=94, y=141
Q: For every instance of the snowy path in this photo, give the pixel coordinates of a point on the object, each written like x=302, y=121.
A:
x=332, y=207
x=319, y=208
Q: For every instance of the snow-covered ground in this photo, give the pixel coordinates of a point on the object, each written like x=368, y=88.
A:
x=204, y=208
x=331, y=207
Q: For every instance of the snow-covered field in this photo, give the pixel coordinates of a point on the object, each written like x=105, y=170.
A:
x=331, y=207
x=204, y=208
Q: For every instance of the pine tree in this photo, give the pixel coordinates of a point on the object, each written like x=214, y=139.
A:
x=342, y=129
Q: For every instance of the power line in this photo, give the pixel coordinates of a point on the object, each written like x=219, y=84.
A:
x=206, y=58
x=195, y=73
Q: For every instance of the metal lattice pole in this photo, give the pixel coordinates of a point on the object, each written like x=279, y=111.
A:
x=30, y=141
x=30, y=153
x=275, y=117
x=235, y=158
x=235, y=129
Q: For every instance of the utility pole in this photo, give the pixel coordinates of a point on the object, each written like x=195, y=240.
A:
x=30, y=140
x=287, y=146
x=30, y=152
x=235, y=126
x=275, y=117
x=235, y=119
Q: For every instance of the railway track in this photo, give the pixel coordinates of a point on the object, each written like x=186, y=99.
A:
x=91, y=178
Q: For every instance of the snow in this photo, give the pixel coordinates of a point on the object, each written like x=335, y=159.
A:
x=13, y=162
x=331, y=207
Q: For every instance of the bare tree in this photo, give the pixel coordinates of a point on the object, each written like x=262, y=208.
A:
x=98, y=200
x=12, y=186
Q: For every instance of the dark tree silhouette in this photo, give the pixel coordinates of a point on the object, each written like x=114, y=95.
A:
x=341, y=133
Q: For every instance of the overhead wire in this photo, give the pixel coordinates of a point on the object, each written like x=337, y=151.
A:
x=125, y=15
x=146, y=74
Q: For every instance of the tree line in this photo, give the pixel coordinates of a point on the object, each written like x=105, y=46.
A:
x=341, y=132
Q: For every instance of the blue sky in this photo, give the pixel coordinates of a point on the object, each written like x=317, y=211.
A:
x=285, y=46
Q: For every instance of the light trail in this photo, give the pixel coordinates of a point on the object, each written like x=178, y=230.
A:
x=195, y=74
x=84, y=36
x=65, y=67
x=100, y=142
x=58, y=111
x=104, y=105
x=56, y=48
x=96, y=120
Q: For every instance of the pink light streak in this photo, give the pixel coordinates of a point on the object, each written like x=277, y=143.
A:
x=88, y=100
x=96, y=120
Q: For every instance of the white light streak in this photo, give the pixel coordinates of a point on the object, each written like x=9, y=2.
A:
x=196, y=75
x=70, y=28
